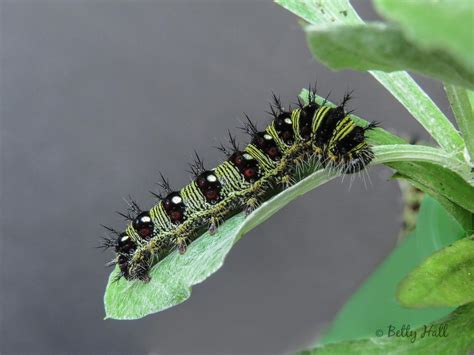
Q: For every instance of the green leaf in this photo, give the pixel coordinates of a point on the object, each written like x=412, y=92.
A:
x=173, y=277
x=374, y=305
x=444, y=279
x=441, y=180
x=435, y=227
x=399, y=84
x=455, y=194
x=461, y=215
x=470, y=95
x=455, y=335
x=322, y=11
x=376, y=46
x=461, y=106
x=444, y=25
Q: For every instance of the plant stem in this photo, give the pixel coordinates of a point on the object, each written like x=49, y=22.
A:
x=411, y=153
x=462, y=110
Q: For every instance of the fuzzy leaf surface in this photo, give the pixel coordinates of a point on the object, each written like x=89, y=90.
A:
x=444, y=279
x=376, y=46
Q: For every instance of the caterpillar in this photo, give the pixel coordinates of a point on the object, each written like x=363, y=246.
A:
x=245, y=179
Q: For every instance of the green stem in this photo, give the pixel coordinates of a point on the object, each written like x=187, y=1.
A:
x=407, y=152
x=462, y=110
x=402, y=86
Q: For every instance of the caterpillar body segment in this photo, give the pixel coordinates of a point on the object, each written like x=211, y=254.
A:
x=240, y=183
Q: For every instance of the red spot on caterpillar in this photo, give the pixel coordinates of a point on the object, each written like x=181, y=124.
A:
x=201, y=182
x=273, y=152
x=249, y=172
x=145, y=232
x=211, y=194
x=287, y=135
x=176, y=216
x=238, y=159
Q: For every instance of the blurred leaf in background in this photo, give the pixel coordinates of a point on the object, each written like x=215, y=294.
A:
x=445, y=25
x=451, y=335
x=374, y=305
x=377, y=46
x=444, y=279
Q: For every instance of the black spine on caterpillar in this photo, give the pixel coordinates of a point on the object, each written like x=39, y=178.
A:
x=242, y=181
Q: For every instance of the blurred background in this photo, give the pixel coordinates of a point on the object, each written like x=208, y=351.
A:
x=96, y=98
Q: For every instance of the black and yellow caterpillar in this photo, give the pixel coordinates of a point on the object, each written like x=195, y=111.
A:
x=245, y=179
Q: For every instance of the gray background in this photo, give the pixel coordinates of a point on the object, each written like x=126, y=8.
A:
x=96, y=97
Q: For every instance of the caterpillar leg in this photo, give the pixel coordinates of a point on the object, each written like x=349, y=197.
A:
x=299, y=160
x=140, y=266
x=251, y=205
x=334, y=163
x=286, y=181
x=317, y=155
x=182, y=244
x=214, y=224
x=358, y=161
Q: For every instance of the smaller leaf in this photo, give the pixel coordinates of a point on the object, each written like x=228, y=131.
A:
x=470, y=95
x=461, y=215
x=443, y=24
x=376, y=46
x=373, y=305
x=444, y=279
x=440, y=180
x=435, y=228
x=316, y=12
x=451, y=335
